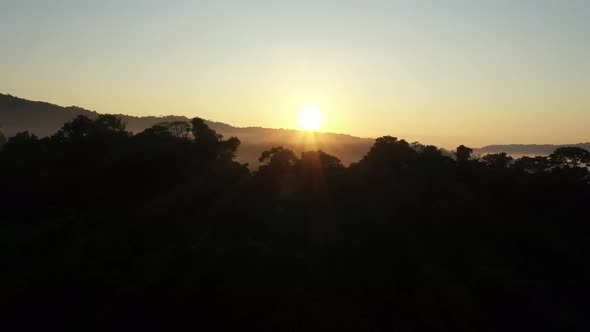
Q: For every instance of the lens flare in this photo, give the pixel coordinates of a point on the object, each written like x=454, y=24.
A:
x=309, y=118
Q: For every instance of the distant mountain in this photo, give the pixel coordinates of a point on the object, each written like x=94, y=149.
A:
x=519, y=150
x=44, y=119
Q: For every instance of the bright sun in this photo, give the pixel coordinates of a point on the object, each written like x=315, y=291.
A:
x=309, y=118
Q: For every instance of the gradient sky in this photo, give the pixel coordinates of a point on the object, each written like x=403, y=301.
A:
x=442, y=72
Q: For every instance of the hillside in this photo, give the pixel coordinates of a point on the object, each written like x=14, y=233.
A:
x=43, y=119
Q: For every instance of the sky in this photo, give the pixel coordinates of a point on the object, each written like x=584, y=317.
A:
x=442, y=72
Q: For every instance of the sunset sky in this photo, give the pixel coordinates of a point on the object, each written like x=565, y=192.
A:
x=442, y=72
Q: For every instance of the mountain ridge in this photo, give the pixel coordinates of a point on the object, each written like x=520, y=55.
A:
x=44, y=119
x=147, y=118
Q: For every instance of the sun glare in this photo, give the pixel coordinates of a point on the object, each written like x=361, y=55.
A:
x=309, y=118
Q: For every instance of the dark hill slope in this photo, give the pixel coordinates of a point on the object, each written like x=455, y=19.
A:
x=43, y=119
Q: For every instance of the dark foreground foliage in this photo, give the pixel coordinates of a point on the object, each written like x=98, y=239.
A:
x=104, y=230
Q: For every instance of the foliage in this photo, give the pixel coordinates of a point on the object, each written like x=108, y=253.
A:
x=497, y=160
x=164, y=230
x=536, y=164
x=179, y=129
x=463, y=153
x=571, y=157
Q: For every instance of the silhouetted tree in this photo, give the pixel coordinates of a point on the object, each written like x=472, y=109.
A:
x=229, y=148
x=203, y=134
x=317, y=169
x=104, y=129
x=107, y=122
x=536, y=164
x=21, y=142
x=570, y=157
x=77, y=129
x=463, y=153
x=277, y=158
x=211, y=143
x=179, y=129
x=321, y=160
x=277, y=170
x=157, y=131
x=2, y=139
x=165, y=230
x=497, y=160
x=389, y=153
x=431, y=152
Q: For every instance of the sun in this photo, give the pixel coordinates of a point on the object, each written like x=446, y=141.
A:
x=309, y=118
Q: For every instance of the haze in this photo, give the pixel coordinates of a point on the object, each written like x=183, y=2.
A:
x=441, y=72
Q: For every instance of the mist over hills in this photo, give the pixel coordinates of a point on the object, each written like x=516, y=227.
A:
x=43, y=119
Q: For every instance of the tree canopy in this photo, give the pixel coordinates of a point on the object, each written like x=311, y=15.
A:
x=571, y=157
x=2, y=138
x=164, y=229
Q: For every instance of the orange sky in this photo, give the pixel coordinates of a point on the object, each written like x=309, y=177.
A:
x=441, y=72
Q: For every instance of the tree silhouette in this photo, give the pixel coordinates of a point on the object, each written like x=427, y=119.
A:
x=107, y=122
x=21, y=142
x=497, y=160
x=104, y=129
x=321, y=160
x=277, y=158
x=388, y=153
x=229, y=148
x=2, y=139
x=179, y=129
x=570, y=157
x=203, y=134
x=463, y=153
x=164, y=229
x=157, y=131
x=536, y=164
x=316, y=169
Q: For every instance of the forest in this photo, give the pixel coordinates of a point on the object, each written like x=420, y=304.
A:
x=163, y=229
